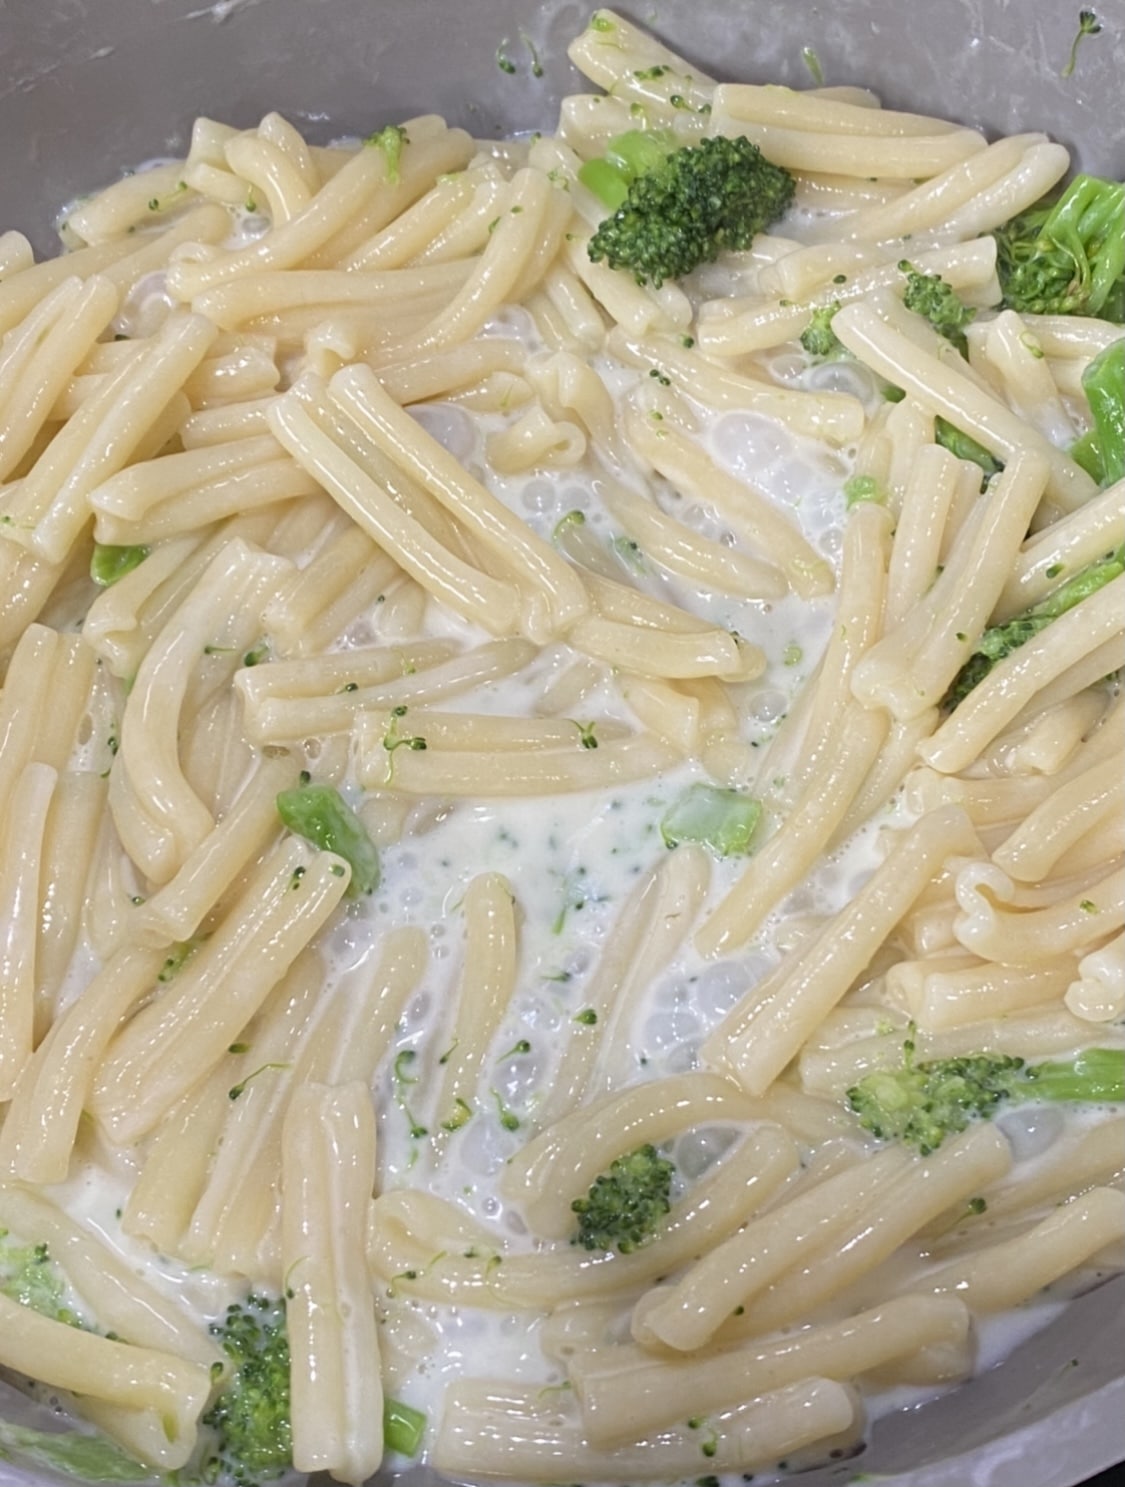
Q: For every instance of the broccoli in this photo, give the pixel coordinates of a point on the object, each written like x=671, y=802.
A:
x=320, y=814
x=1088, y=25
x=403, y=1427
x=1067, y=257
x=924, y=1103
x=818, y=338
x=391, y=141
x=108, y=564
x=251, y=1417
x=683, y=208
x=930, y=296
x=28, y=1275
x=625, y=1204
x=68, y=1453
x=1101, y=451
x=1000, y=640
x=964, y=446
x=626, y=157
x=724, y=820
x=863, y=488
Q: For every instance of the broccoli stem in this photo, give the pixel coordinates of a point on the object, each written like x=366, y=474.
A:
x=1000, y=640
x=109, y=563
x=724, y=820
x=320, y=814
x=1103, y=382
x=1094, y=1077
x=403, y=1427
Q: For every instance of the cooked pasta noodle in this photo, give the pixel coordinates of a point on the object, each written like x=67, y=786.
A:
x=477, y=726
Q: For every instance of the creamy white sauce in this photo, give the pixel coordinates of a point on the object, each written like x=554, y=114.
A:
x=572, y=863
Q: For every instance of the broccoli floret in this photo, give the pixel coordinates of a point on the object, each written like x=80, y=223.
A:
x=924, y=1103
x=818, y=338
x=930, y=296
x=999, y=641
x=1101, y=452
x=251, y=1415
x=28, y=1275
x=685, y=208
x=625, y=1204
x=320, y=814
x=1067, y=257
x=724, y=820
x=403, y=1427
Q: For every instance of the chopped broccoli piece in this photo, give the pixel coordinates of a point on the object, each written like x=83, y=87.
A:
x=391, y=141
x=724, y=820
x=403, y=1427
x=254, y=1441
x=685, y=207
x=605, y=181
x=1000, y=640
x=70, y=1453
x=929, y=295
x=863, y=488
x=625, y=1204
x=108, y=564
x=320, y=814
x=626, y=157
x=1101, y=452
x=964, y=447
x=251, y=1417
x=28, y=1275
x=818, y=338
x=924, y=1103
x=1067, y=257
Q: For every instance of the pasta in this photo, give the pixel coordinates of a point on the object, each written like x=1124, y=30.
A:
x=476, y=724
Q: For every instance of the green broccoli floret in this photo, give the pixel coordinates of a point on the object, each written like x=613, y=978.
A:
x=924, y=1103
x=625, y=1204
x=724, y=820
x=930, y=296
x=320, y=814
x=1067, y=257
x=687, y=206
x=818, y=338
x=28, y=1275
x=999, y=641
x=250, y=1418
x=1101, y=452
